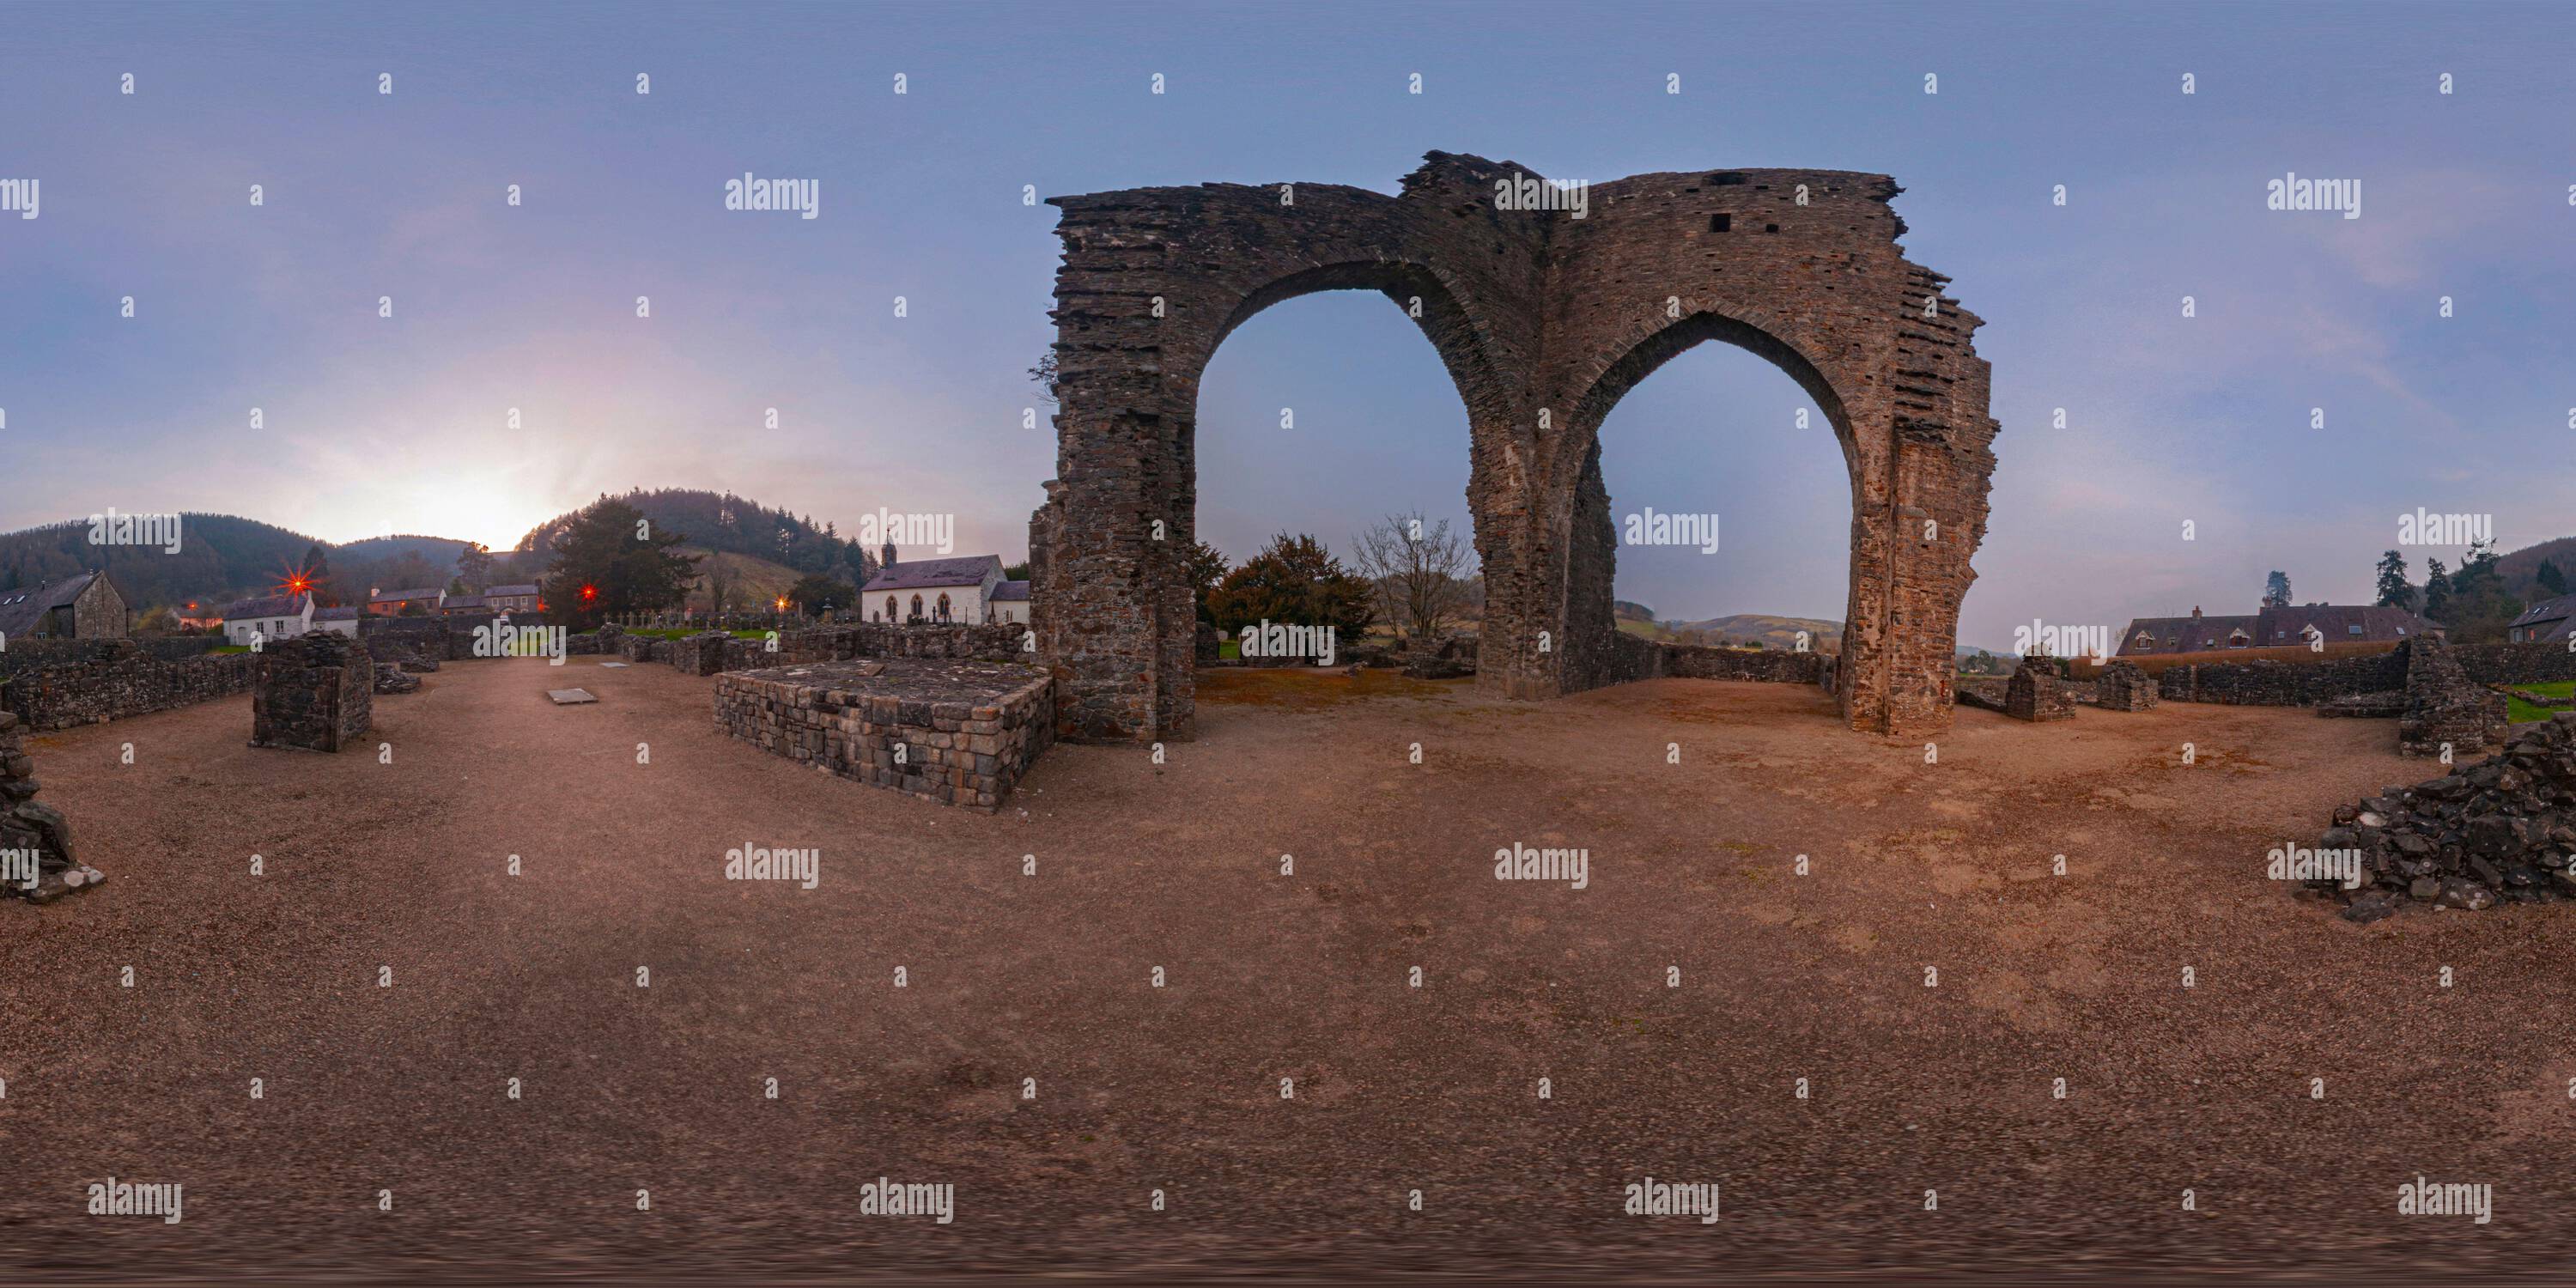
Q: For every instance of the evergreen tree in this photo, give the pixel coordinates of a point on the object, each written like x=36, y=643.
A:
x=608, y=560
x=2437, y=591
x=1294, y=582
x=2393, y=590
x=2276, y=588
x=2552, y=580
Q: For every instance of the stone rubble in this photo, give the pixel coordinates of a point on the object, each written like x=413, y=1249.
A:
x=2503, y=829
x=29, y=830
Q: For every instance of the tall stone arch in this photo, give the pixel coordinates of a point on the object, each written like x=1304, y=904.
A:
x=1544, y=318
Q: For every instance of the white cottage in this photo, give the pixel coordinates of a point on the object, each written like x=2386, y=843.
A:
x=272, y=617
x=959, y=590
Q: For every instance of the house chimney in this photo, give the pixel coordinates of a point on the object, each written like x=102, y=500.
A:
x=888, y=561
x=2195, y=612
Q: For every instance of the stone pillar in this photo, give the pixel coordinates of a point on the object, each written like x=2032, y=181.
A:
x=2036, y=692
x=314, y=692
x=2124, y=687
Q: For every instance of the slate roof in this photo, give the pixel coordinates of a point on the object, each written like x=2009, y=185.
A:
x=2281, y=626
x=2559, y=610
x=2186, y=634
x=393, y=596
x=335, y=614
x=20, y=609
x=964, y=570
x=491, y=591
x=266, y=606
x=1010, y=590
x=464, y=601
x=2288, y=624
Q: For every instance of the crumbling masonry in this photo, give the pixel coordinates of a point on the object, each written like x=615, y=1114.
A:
x=1544, y=321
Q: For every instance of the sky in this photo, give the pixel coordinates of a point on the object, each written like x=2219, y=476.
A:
x=373, y=423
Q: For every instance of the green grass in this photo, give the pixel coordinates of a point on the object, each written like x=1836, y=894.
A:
x=229, y=648
x=678, y=633
x=2521, y=712
x=1228, y=648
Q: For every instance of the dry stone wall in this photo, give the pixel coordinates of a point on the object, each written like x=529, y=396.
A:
x=2264, y=682
x=314, y=692
x=117, y=681
x=2122, y=686
x=1641, y=659
x=957, y=732
x=2037, y=692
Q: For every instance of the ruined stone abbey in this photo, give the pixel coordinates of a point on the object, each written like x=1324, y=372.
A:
x=1544, y=318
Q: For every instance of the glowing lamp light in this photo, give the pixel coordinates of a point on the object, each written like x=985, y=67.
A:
x=589, y=593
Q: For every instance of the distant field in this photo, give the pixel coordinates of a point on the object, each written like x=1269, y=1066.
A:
x=2155, y=663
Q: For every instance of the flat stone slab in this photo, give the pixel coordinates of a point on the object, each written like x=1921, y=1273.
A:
x=570, y=697
x=615, y=664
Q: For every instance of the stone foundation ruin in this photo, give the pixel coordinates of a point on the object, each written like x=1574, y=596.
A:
x=2122, y=686
x=2500, y=830
x=36, y=860
x=314, y=692
x=1544, y=322
x=2037, y=692
x=2446, y=711
x=956, y=732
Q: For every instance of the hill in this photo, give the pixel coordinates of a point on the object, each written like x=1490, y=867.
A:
x=220, y=557
x=1778, y=632
x=756, y=581
x=721, y=522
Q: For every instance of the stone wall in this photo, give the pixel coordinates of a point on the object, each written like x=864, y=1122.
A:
x=2037, y=692
x=2268, y=683
x=2510, y=663
x=120, y=680
x=36, y=654
x=314, y=692
x=2121, y=686
x=1644, y=659
x=1544, y=322
x=391, y=639
x=957, y=732
x=2446, y=711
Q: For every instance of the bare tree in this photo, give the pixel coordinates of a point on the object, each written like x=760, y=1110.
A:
x=720, y=585
x=1415, y=567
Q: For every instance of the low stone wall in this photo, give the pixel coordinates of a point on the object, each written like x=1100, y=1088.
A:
x=2266, y=683
x=390, y=639
x=2446, y=711
x=32, y=655
x=957, y=732
x=314, y=692
x=2037, y=692
x=2121, y=686
x=2515, y=663
x=1643, y=659
x=120, y=680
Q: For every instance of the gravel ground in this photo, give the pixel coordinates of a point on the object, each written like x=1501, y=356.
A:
x=1304, y=976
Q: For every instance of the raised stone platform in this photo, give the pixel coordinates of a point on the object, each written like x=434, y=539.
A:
x=957, y=732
